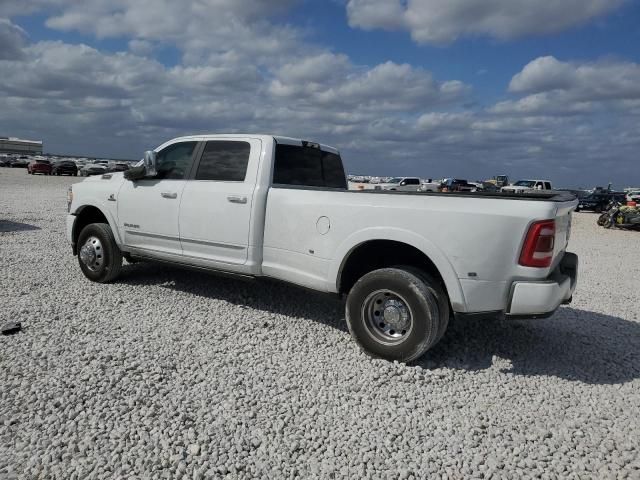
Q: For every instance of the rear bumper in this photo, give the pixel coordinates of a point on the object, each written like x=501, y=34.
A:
x=542, y=298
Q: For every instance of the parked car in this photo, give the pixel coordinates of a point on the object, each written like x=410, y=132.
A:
x=633, y=196
x=64, y=167
x=455, y=185
x=429, y=186
x=120, y=167
x=399, y=259
x=522, y=186
x=94, y=169
x=598, y=200
x=19, y=162
x=579, y=194
x=403, y=184
x=39, y=166
x=490, y=187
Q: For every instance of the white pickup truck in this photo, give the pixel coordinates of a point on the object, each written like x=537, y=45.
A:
x=269, y=206
x=523, y=186
x=401, y=184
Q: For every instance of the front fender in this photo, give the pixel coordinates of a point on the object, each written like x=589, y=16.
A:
x=439, y=259
x=106, y=212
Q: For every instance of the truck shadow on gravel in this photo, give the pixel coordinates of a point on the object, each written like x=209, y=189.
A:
x=9, y=226
x=574, y=345
x=266, y=295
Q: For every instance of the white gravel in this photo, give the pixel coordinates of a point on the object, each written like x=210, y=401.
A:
x=175, y=374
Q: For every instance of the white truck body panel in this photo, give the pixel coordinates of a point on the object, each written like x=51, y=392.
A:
x=303, y=235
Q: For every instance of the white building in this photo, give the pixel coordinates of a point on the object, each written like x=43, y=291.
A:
x=18, y=145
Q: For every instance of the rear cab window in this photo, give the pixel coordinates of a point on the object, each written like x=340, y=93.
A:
x=308, y=166
x=224, y=160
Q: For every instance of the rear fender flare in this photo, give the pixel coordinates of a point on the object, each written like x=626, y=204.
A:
x=439, y=259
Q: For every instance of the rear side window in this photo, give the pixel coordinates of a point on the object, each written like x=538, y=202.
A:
x=308, y=166
x=412, y=181
x=547, y=186
x=224, y=161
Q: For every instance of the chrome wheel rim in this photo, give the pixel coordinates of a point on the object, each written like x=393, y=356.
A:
x=92, y=254
x=387, y=317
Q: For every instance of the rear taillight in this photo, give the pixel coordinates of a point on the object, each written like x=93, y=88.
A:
x=537, y=250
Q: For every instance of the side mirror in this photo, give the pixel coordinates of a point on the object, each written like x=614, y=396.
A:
x=150, y=163
x=402, y=184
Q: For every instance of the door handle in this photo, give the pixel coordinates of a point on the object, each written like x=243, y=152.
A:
x=169, y=195
x=237, y=199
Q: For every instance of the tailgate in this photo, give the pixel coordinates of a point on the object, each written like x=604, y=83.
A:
x=564, y=212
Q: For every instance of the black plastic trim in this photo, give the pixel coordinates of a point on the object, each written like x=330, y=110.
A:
x=535, y=197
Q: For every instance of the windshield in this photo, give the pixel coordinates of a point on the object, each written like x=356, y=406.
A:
x=395, y=180
x=525, y=183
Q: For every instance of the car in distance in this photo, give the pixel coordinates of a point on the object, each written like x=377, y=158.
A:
x=429, y=186
x=96, y=168
x=633, y=196
x=598, y=201
x=120, y=167
x=64, y=167
x=456, y=185
x=39, y=166
x=522, y=186
x=404, y=261
x=19, y=162
x=402, y=184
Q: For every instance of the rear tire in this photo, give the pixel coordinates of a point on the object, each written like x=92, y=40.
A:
x=438, y=291
x=102, y=260
x=392, y=313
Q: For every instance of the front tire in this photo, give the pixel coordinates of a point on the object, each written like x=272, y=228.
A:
x=392, y=313
x=99, y=257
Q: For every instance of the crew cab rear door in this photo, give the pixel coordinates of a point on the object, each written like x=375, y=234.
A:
x=215, y=212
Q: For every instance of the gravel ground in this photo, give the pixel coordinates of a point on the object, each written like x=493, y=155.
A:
x=175, y=374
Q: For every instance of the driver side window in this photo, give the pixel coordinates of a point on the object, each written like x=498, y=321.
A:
x=173, y=162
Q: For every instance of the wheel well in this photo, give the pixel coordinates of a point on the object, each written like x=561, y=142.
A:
x=376, y=254
x=86, y=216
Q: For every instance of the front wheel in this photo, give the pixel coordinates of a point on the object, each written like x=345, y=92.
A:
x=394, y=313
x=99, y=257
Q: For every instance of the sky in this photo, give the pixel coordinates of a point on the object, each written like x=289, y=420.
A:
x=431, y=88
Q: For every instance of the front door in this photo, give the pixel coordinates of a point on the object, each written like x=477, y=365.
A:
x=148, y=208
x=215, y=213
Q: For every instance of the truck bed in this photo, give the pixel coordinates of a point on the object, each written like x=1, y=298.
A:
x=543, y=196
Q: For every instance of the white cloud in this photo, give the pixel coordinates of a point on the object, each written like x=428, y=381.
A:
x=554, y=87
x=592, y=81
x=330, y=81
x=443, y=21
x=12, y=40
